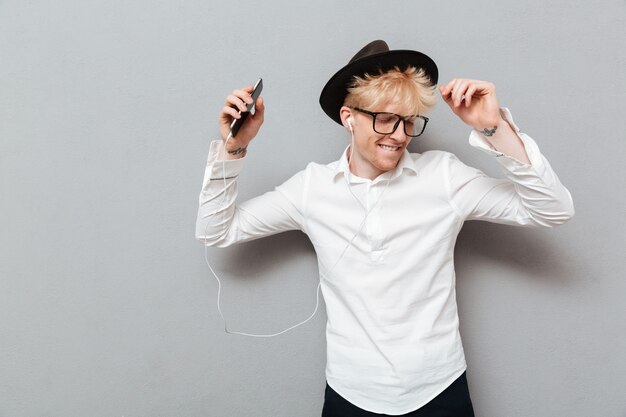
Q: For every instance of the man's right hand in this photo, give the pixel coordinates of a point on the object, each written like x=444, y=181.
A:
x=236, y=101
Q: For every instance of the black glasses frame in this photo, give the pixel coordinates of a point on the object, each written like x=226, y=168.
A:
x=395, y=126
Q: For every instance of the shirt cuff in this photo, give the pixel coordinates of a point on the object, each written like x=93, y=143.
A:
x=219, y=169
x=478, y=140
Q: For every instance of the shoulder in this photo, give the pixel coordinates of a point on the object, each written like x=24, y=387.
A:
x=313, y=171
x=444, y=165
x=434, y=159
x=320, y=171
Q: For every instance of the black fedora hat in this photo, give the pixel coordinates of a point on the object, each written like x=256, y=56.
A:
x=373, y=57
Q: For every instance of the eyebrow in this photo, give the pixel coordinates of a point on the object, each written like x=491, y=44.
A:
x=403, y=116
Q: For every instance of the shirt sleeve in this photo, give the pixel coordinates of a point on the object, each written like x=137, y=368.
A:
x=531, y=195
x=221, y=222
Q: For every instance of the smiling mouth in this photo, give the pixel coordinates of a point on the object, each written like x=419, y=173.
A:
x=389, y=148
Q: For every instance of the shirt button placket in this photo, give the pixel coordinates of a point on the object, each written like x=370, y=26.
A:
x=375, y=236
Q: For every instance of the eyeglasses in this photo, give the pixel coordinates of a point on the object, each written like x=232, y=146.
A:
x=386, y=123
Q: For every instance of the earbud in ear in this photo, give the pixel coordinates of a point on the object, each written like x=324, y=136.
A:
x=350, y=123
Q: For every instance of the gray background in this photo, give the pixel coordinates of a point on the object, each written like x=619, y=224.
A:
x=106, y=112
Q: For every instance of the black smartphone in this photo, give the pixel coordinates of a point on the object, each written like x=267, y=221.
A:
x=237, y=123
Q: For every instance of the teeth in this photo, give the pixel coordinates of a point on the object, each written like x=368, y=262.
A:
x=389, y=148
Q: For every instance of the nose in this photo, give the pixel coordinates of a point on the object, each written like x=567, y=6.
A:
x=398, y=135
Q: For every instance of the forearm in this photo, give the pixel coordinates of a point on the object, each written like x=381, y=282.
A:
x=536, y=196
x=506, y=141
x=217, y=198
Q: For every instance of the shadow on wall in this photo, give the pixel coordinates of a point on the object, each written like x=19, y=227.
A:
x=533, y=251
x=267, y=255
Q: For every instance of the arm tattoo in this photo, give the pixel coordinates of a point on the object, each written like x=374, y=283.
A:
x=489, y=132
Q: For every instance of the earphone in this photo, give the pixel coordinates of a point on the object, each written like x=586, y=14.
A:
x=350, y=123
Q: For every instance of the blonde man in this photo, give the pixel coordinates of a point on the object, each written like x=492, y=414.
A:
x=384, y=222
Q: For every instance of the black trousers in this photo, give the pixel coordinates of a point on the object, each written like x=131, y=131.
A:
x=454, y=401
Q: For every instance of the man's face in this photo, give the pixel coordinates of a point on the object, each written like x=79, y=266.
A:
x=374, y=153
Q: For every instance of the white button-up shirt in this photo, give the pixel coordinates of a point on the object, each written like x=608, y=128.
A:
x=385, y=252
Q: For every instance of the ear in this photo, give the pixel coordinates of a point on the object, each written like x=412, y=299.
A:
x=344, y=114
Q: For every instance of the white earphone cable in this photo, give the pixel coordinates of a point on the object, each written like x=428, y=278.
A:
x=321, y=274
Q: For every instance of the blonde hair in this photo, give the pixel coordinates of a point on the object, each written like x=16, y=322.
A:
x=410, y=88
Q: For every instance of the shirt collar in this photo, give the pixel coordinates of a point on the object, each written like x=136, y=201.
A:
x=405, y=163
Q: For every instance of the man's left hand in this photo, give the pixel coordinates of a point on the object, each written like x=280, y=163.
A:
x=474, y=101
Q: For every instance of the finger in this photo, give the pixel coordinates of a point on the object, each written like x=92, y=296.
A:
x=482, y=87
x=259, y=106
x=464, y=88
x=247, y=97
x=445, y=93
x=229, y=111
x=459, y=90
x=259, y=110
x=448, y=87
x=235, y=101
x=449, y=91
x=469, y=93
x=244, y=94
x=469, y=89
x=485, y=89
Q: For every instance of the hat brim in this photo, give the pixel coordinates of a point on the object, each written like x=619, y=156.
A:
x=336, y=89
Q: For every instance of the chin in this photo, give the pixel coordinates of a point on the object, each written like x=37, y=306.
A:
x=387, y=165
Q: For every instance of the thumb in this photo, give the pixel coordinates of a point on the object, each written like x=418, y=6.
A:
x=259, y=109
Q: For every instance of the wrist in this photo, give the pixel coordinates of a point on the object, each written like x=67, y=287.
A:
x=233, y=153
x=239, y=152
x=233, y=149
x=492, y=127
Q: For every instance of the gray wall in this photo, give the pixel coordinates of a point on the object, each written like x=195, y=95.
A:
x=106, y=111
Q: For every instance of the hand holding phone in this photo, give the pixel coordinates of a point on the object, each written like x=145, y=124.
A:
x=237, y=123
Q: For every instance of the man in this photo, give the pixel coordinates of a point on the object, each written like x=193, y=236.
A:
x=384, y=222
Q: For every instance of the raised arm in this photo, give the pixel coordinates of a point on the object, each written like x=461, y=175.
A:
x=475, y=103
x=222, y=222
x=532, y=195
